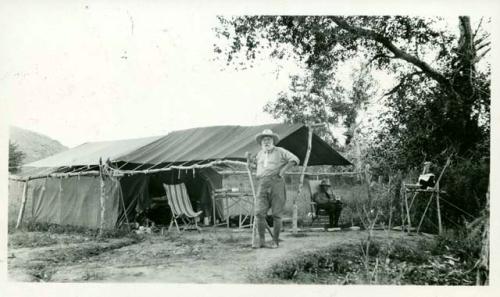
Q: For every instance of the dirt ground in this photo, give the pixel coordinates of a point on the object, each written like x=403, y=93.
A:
x=212, y=256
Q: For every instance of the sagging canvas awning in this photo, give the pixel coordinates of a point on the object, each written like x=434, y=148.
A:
x=196, y=145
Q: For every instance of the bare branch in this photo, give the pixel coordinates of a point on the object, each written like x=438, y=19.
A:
x=478, y=58
x=483, y=46
x=478, y=27
x=483, y=38
x=398, y=53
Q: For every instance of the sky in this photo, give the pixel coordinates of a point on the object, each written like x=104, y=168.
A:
x=82, y=72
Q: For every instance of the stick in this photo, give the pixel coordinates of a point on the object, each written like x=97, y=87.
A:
x=120, y=193
x=301, y=182
x=254, y=201
x=23, y=205
x=440, y=224
x=407, y=212
x=317, y=174
x=254, y=196
x=425, y=211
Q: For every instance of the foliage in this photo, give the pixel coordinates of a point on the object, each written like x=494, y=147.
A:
x=70, y=229
x=327, y=102
x=441, y=100
x=393, y=262
x=16, y=157
x=466, y=184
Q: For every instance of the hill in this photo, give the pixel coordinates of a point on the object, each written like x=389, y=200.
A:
x=36, y=146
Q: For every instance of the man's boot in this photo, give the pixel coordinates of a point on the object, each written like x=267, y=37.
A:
x=276, y=233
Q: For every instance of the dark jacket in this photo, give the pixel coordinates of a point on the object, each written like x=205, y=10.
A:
x=323, y=197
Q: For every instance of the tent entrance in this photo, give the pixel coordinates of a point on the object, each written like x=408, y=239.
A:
x=145, y=199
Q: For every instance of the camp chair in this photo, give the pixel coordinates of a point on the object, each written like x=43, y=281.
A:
x=181, y=208
x=315, y=211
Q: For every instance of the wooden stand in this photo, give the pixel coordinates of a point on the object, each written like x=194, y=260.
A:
x=415, y=189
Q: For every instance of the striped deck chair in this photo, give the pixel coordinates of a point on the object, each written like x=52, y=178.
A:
x=181, y=208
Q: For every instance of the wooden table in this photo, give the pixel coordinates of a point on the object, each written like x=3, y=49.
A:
x=242, y=202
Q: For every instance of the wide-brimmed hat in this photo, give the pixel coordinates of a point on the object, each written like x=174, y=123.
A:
x=325, y=183
x=267, y=132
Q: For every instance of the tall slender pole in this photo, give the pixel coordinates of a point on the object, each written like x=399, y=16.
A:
x=301, y=181
x=101, y=196
x=254, y=226
x=23, y=204
x=425, y=211
x=120, y=193
x=407, y=212
x=440, y=225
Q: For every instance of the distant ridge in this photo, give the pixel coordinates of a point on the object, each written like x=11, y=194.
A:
x=36, y=146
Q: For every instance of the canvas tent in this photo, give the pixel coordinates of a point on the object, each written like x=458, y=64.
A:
x=69, y=188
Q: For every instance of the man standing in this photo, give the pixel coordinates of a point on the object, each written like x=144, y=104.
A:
x=326, y=200
x=272, y=163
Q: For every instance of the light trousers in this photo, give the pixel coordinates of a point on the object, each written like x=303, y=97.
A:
x=271, y=194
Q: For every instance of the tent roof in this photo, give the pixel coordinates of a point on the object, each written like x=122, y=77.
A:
x=197, y=144
x=90, y=152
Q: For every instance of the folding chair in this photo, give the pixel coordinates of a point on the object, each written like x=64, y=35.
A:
x=315, y=211
x=181, y=208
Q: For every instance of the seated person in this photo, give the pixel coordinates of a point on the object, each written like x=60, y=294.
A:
x=326, y=200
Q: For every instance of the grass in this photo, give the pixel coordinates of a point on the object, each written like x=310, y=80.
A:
x=73, y=230
x=390, y=263
x=46, y=262
x=89, y=243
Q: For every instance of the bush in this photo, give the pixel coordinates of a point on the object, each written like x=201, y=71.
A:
x=390, y=262
x=466, y=182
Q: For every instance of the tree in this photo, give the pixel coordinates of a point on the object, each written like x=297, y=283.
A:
x=16, y=157
x=331, y=102
x=436, y=71
x=440, y=104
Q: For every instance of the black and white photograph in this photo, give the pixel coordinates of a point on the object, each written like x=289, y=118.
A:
x=169, y=142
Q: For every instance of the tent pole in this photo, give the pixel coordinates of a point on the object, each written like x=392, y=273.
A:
x=301, y=182
x=23, y=204
x=101, y=196
x=214, y=205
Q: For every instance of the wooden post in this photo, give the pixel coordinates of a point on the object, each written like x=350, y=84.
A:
x=23, y=204
x=407, y=212
x=301, y=182
x=367, y=182
x=440, y=226
x=102, y=198
x=402, y=206
x=254, y=226
x=227, y=210
x=213, y=208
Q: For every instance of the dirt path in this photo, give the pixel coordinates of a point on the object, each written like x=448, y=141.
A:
x=207, y=257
